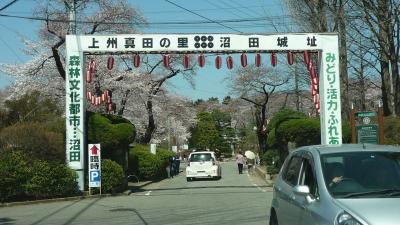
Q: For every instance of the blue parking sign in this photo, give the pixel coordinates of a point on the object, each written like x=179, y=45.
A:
x=94, y=178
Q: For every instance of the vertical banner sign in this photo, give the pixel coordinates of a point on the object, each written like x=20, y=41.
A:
x=331, y=121
x=75, y=113
x=94, y=165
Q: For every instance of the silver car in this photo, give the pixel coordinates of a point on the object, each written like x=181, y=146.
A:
x=343, y=185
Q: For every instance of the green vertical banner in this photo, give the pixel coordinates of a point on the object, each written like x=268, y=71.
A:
x=75, y=111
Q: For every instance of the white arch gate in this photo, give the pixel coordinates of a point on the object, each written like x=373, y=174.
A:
x=78, y=45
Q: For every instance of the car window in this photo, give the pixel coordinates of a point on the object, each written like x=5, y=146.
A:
x=308, y=177
x=201, y=157
x=291, y=175
x=354, y=172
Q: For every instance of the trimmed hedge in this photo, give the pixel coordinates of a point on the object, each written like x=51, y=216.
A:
x=144, y=164
x=25, y=178
x=114, y=133
x=112, y=177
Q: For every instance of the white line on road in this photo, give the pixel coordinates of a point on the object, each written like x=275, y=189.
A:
x=148, y=193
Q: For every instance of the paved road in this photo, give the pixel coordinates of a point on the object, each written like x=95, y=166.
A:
x=235, y=199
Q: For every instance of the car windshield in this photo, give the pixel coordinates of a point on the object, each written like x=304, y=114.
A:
x=362, y=174
x=201, y=157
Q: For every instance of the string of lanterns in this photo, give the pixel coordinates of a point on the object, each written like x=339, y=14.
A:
x=105, y=97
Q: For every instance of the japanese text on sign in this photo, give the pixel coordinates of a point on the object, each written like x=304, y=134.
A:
x=74, y=108
x=332, y=99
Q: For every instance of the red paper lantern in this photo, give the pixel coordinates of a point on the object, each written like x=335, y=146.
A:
x=186, y=61
x=313, y=90
x=166, y=61
x=229, y=62
x=136, y=60
x=310, y=66
x=109, y=107
x=218, y=62
x=290, y=58
x=243, y=60
x=110, y=63
x=317, y=105
x=93, y=100
x=92, y=67
x=306, y=55
x=89, y=95
x=258, y=60
x=274, y=60
x=201, y=60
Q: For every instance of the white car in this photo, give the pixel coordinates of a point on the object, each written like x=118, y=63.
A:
x=203, y=165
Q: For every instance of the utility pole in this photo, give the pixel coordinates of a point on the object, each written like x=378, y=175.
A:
x=72, y=17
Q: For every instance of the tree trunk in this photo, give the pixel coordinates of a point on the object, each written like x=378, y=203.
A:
x=262, y=141
x=151, y=125
x=344, y=81
x=123, y=103
x=394, y=59
x=384, y=62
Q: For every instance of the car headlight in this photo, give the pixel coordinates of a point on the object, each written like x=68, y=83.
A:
x=346, y=219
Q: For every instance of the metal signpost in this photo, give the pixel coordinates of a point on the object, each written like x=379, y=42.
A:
x=77, y=46
x=362, y=129
x=94, y=166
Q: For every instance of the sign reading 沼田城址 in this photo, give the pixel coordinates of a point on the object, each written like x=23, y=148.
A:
x=94, y=165
x=75, y=113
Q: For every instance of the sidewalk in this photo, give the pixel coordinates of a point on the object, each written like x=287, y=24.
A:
x=262, y=173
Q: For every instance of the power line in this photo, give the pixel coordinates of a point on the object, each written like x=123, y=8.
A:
x=8, y=5
x=143, y=23
x=203, y=16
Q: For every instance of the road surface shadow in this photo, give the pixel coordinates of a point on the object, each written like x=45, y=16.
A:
x=6, y=221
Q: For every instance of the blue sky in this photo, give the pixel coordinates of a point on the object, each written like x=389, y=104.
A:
x=209, y=81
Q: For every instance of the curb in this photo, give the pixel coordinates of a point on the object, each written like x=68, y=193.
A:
x=10, y=204
x=265, y=176
x=81, y=197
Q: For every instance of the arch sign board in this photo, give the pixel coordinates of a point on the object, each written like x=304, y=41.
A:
x=326, y=44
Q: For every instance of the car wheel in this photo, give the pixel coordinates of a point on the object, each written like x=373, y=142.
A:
x=189, y=179
x=272, y=219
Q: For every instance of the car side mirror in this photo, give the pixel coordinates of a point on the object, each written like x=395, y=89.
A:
x=304, y=190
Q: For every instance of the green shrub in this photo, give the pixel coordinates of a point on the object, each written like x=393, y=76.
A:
x=271, y=160
x=112, y=177
x=14, y=173
x=49, y=179
x=146, y=165
x=284, y=115
x=164, y=155
x=270, y=157
x=34, y=140
x=271, y=139
x=392, y=130
x=114, y=133
x=301, y=131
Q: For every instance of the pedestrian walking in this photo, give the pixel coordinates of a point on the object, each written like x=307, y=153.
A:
x=240, y=160
x=172, y=166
